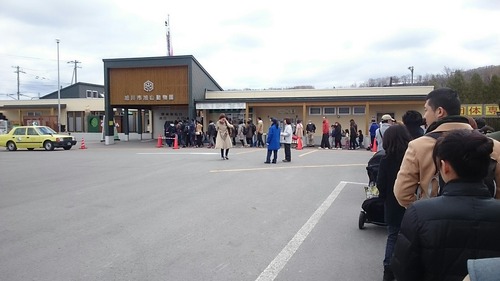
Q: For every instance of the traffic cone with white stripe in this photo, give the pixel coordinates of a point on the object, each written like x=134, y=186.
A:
x=82, y=145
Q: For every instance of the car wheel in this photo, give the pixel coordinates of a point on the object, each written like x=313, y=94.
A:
x=11, y=146
x=31, y=148
x=362, y=219
x=48, y=145
x=67, y=147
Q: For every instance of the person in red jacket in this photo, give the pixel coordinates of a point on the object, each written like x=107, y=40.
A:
x=325, y=143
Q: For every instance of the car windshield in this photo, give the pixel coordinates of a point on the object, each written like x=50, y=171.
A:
x=46, y=131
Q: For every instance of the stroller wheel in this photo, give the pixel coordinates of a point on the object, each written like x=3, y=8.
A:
x=362, y=219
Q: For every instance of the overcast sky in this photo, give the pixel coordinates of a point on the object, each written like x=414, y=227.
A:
x=246, y=44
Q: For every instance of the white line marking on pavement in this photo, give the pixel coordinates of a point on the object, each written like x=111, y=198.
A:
x=283, y=167
x=274, y=268
x=177, y=153
x=312, y=151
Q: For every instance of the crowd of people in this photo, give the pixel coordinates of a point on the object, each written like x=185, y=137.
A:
x=190, y=133
x=437, y=177
x=439, y=190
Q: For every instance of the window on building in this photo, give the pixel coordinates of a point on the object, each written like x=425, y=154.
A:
x=33, y=113
x=344, y=110
x=314, y=110
x=89, y=94
x=75, y=121
x=358, y=110
x=95, y=94
x=329, y=110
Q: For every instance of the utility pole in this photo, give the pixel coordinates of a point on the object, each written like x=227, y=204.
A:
x=18, y=71
x=169, y=47
x=58, y=91
x=74, y=70
x=411, y=69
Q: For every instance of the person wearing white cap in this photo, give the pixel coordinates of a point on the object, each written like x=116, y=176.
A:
x=385, y=122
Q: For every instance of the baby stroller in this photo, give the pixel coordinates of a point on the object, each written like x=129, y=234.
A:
x=373, y=207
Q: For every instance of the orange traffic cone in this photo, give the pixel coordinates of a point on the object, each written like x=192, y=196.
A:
x=176, y=143
x=82, y=145
x=299, y=143
x=374, y=146
x=160, y=142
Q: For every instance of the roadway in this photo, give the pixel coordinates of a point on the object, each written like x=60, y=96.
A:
x=131, y=211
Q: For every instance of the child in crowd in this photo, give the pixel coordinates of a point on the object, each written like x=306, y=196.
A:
x=360, y=138
x=347, y=139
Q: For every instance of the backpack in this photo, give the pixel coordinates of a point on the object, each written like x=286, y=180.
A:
x=245, y=130
x=489, y=180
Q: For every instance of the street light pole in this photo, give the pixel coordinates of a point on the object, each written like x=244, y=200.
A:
x=411, y=69
x=58, y=91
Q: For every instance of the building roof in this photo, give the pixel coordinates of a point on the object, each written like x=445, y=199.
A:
x=71, y=91
x=327, y=95
x=28, y=106
x=156, y=62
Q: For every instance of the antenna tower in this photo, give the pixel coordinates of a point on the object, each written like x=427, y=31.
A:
x=169, y=47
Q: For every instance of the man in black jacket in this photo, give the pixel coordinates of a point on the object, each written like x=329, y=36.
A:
x=310, y=130
x=438, y=235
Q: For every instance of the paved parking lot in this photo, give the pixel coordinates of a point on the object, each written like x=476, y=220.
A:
x=131, y=211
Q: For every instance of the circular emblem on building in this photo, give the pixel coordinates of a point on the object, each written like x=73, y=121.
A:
x=148, y=86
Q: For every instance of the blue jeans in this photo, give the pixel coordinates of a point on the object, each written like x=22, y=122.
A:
x=392, y=236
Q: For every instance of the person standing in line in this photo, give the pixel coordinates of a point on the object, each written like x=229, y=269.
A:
x=287, y=140
x=373, y=130
x=199, y=134
x=260, y=132
x=180, y=132
x=337, y=135
x=233, y=132
x=385, y=123
x=325, y=144
x=310, y=131
x=396, y=139
x=482, y=127
x=273, y=141
x=241, y=133
x=331, y=138
x=223, y=141
x=192, y=130
x=250, y=132
x=212, y=132
x=440, y=234
x=417, y=172
x=413, y=121
x=299, y=130
x=353, y=134
x=360, y=138
x=347, y=139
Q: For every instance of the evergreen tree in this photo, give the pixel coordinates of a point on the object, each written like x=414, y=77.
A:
x=476, y=89
x=457, y=83
x=493, y=91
